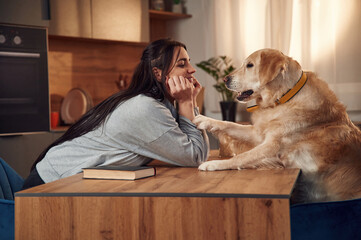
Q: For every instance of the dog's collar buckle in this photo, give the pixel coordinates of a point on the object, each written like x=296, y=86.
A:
x=288, y=95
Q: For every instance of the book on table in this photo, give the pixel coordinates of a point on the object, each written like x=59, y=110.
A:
x=118, y=172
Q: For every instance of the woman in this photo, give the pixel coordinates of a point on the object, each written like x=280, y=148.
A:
x=134, y=126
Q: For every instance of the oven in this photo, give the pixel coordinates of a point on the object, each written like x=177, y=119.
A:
x=24, y=91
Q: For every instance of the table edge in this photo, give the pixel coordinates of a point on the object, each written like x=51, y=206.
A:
x=145, y=194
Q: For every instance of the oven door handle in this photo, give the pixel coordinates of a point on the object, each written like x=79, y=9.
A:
x=19, y=54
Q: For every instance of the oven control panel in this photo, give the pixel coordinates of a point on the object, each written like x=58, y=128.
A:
x=10, y=37
x=2, y=39
x=16, y=37
x=16, y=40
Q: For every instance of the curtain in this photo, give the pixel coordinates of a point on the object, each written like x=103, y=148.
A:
x=322, y=35
x=326, y=38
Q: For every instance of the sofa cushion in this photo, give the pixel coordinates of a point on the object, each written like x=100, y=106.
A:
x=326, y=220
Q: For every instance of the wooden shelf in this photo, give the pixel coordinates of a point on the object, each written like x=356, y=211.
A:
x=158, y=21
x=165, y=15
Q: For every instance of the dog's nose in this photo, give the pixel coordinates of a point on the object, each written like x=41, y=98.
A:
x=227, y=79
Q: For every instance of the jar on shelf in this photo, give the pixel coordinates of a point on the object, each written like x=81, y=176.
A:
x=158, y=5
x=177, y=6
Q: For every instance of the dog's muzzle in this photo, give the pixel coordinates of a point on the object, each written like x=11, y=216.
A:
x=227, y=80
x=244, y=95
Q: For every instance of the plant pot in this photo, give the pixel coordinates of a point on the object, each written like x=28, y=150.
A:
x=228, y=111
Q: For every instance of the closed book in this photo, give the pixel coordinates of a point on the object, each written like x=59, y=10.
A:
x=118, y=172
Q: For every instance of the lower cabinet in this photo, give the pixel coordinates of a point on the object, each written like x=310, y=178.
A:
x=20, y=151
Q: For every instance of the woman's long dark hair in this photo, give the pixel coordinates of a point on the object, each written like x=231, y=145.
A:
x=157, y=54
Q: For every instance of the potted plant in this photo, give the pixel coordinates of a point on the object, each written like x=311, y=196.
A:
x=218, y=68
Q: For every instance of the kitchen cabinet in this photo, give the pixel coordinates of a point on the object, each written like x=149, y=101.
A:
x=70, y=18
x=119, y=20
x=25, y=12
x=21, y=151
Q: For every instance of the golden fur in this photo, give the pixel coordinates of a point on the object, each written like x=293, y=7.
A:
x=311, y=131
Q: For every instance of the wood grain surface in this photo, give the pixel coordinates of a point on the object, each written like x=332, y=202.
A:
x=177, y=203
x=177, y=180
x=151, y=218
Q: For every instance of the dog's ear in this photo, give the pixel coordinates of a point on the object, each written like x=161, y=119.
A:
x=272, y=64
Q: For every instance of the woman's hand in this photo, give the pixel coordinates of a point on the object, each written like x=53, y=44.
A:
x=181, y=89
x=197, y=88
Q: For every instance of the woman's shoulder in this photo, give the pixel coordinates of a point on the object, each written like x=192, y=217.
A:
x=141, y=111
x=142, y=105
x=143, y=99
x=143, y=102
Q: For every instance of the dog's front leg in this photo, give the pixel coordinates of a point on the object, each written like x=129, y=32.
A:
x=234, y=130
x=262, y=156
x=209, y=124
x=218, y=165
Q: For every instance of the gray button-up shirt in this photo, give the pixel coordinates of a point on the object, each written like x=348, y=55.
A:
x=137, y=131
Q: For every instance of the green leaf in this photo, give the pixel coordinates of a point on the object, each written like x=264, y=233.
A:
x=218, y=68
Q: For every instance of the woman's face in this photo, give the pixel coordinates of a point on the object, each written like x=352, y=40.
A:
x=181, y=65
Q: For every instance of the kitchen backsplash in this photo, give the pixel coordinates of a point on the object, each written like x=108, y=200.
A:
x=93, y=65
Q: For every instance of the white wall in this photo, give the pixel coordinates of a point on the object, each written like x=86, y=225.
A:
x=191, y=31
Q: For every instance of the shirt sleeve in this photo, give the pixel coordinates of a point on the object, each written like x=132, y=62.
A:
x=148, y=128
x=183, y=145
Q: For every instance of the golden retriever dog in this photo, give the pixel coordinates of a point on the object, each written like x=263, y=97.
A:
x=297, y=122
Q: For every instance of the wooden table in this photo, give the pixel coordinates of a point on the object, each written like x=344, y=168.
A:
x=178, y=203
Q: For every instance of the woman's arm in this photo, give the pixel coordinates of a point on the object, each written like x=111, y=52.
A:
x=150, y=129
x=185, y=92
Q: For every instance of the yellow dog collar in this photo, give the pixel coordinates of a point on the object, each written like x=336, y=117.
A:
x=288, y=95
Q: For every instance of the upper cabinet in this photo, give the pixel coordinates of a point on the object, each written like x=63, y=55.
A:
x=71, y=18
x=25, y=12
x=120, y=20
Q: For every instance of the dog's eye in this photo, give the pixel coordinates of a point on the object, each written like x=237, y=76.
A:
x=249, y=65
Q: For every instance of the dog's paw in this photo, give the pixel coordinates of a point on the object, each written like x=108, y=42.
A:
x=204, y=123
x=210, y=165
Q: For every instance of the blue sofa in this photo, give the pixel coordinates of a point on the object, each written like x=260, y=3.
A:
x=339, y=220
x=10, y=182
